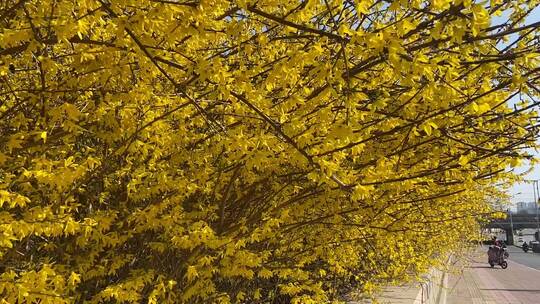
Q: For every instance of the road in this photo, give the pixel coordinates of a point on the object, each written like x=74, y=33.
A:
x=528, y=259
x=479, y=283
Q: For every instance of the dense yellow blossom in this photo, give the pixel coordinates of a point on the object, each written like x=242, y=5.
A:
x=214, y=151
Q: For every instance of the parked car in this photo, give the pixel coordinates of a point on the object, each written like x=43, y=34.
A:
x=535, y=246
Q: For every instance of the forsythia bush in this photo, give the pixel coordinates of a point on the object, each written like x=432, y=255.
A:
x=214, y=151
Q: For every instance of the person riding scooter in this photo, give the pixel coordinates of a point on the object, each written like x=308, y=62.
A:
x=525, y=247
x=498, y=243
x=497, y=254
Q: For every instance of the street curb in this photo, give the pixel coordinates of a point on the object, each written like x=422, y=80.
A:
x=444, y=287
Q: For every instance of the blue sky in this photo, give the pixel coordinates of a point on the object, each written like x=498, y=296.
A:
x=523, y=192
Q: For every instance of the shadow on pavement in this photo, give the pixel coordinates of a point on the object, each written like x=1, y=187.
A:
x=399, y=298
x=487, y=266
x=513, y=290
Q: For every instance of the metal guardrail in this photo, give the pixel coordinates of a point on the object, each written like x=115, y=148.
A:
x=432, y=291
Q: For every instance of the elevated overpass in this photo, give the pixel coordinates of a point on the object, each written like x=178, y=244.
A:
x=515, y=222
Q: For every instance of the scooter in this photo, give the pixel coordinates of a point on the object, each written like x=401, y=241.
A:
x=497, y=256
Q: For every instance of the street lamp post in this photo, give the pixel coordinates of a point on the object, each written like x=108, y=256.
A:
x=511, y=227
x=511, y=222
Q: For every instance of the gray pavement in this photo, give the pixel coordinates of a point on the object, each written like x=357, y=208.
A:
x=474, y=281
x=479, y=283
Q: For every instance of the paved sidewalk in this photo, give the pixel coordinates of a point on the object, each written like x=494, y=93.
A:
x=429, y=292
x=473, y=281
x=395, y=295
x=479, y=283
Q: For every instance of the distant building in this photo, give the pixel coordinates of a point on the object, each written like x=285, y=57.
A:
x=526, y=207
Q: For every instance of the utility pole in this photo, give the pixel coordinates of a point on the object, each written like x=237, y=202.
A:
x=535, y=188
x=536, y=194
